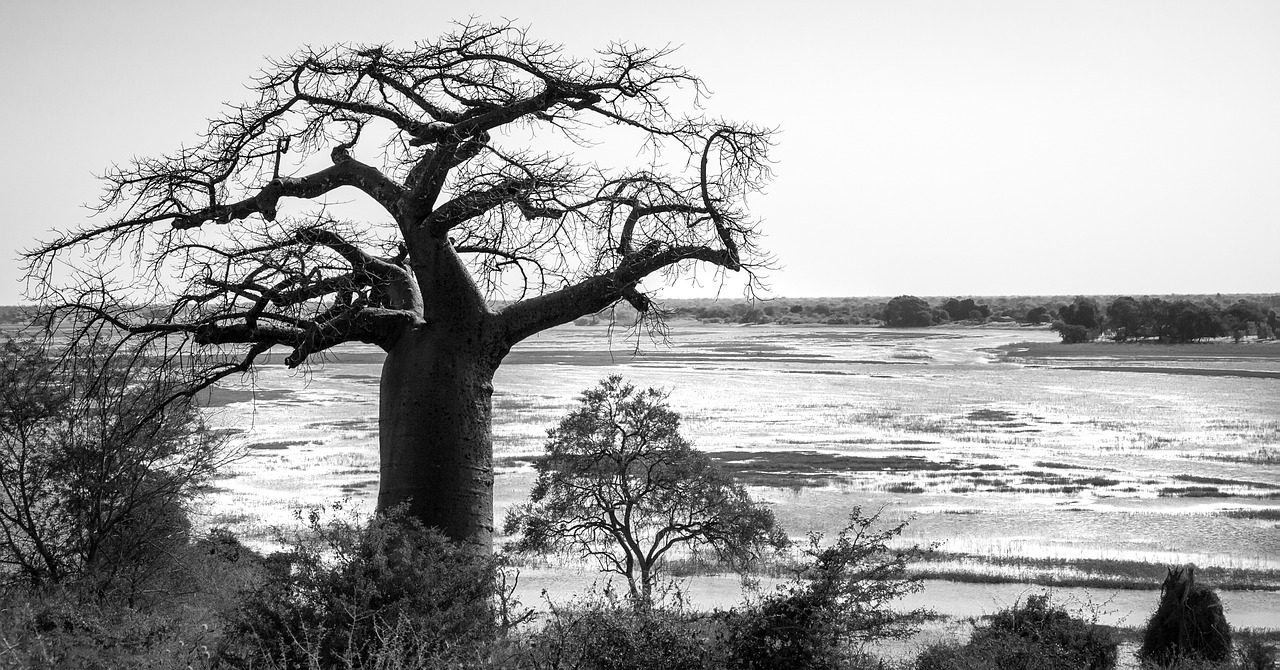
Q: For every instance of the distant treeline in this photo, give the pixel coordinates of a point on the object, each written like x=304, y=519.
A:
x=1177, y=318
x=16, y=314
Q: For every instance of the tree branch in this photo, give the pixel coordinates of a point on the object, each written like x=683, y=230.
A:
x=345, y=171
x=591, y=295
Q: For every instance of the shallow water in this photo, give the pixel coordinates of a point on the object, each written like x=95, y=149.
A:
x=1111, y=607
x=1011, y=442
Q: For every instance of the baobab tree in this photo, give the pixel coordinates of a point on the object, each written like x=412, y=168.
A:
x=495, y=220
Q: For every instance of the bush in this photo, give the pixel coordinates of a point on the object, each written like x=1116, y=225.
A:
x=61, y=629
x=1188, y=623
x=353, y=594
x=843, y=593
x=1257, y=655
x=1036, y=634
x=603, y=632
x=99, y=457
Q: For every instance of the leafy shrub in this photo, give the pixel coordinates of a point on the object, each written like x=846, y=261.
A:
x=603, y=632
x=353, y=594
x=64, y=629
x=1036, y=634
x=842, y=593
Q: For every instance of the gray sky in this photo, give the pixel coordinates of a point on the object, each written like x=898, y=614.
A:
x=935, y=148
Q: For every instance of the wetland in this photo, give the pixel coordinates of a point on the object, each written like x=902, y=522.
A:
x=1023, y=460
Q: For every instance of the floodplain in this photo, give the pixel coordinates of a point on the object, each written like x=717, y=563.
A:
x=1023, y=460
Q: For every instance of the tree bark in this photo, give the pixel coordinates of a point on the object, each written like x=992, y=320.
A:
x=434, y=430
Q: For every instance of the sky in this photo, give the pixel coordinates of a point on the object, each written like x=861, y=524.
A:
x=950, y=147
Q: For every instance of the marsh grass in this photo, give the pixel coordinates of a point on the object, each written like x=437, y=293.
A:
x=1268, y=514
x=359, y=487
x=277, y=445
x=1198, y=479
x=1098, y=481
x=787, y=469
x=1192, y=492
x=1080, y=572
x=1263, y=456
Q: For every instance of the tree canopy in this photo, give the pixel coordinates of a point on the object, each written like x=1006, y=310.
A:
x=482, y=155
x=619, y=483
x=908, y=311
x=457, y=131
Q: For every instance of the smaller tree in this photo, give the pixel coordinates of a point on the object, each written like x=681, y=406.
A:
x=619, y=483
x=1082, y=312
x=1038, y=315
x=99, y=456
x=960, y=310
x=1186, y=321
x=908, y=311
x=1238, y=317
x=1127, y=318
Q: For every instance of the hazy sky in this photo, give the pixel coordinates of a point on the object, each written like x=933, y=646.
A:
x=936, y=148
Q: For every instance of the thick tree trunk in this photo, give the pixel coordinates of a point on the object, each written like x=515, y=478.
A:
x=434, y=432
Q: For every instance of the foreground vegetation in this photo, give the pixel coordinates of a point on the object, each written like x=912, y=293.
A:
x=385, y=593
x=103, y=567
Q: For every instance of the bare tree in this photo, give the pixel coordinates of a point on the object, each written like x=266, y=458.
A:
x=486, y=234
x=619, y=484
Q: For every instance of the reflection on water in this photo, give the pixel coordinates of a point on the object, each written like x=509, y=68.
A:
x=1039, y=461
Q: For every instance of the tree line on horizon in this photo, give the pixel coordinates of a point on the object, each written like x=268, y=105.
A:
x=1082, y=318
